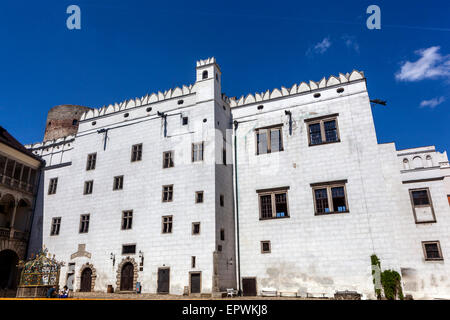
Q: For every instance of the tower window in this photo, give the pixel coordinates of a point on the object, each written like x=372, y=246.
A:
x=185, y=121
x=74, y=122
x=205, y=75
x=196, y=228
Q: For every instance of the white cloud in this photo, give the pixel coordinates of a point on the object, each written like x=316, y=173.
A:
x=431, y=65
x=320, y=47
x=350, y=42
x=432, y=103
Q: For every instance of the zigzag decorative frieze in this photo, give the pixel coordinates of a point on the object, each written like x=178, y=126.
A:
x=137, y=102
x=295, y=89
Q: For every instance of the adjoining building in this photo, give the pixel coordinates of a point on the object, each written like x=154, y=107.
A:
x=190, y=191
x=19, y=175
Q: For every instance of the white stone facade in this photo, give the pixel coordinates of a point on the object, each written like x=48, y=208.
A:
x=310, y=254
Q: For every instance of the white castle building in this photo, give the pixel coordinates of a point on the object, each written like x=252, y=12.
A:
x=192, y=191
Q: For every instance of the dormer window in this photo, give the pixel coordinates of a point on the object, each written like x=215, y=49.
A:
x=205, y=75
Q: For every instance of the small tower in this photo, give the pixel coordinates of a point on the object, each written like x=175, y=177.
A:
x=208, y=80
x=62, y=121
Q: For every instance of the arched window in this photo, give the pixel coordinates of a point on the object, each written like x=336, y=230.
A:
x=205, y=75
x=429, y=161
x=74, y=122
x=417, y=162
x=405, y=164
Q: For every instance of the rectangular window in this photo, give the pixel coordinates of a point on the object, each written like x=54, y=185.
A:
x=184, y=121
x=129, y=249
x=197, y=151
x=167, y=224
x=56, y=224
x=127, y=219
x=196, y=228
x=265, y=246
x=199, y=197
x=222, y=200
x=84, y=223
x=224, y=156
x=269, y=140
x=193, y=262
x=88, y=187
x=91, y=160
x=273, y=203
x=168, y=159
x=136, y=152
x=322, y=130
x=167, y=193
x=53, y=184
x=118, y=183
x=432, y=250
x=330, y=197
x=422, y=205
x=222, y=234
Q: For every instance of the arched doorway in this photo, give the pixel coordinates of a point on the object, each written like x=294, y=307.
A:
x=86, y=280
x=9, y=275
x=126, y=277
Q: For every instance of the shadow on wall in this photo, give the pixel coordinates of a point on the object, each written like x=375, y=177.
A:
x=35, y=240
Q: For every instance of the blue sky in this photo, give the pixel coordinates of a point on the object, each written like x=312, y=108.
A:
x=126, y=49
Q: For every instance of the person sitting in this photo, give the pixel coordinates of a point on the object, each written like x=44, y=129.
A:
x=64, y=293
x=51, y=293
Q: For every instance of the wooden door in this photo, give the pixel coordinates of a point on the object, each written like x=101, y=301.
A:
x=249, y=286
x=163, y=280
x=195, y=282
x=127, y=276
x=86, y=280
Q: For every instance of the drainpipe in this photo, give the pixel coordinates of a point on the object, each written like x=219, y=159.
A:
x=237, y=209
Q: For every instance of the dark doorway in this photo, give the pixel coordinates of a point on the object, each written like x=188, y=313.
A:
x=86, y=280
x=249, y=286
x=163, y=280
x=127, y=276
x=195, y=282
x=9, y=275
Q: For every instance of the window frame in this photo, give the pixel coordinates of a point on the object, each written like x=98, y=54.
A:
x=118, y=178
x=171, y=159
x=129, y=245
x=138, y=152
x=441, y=257
x=86, y=189
x=321, y=121
x=84, y=228
x=202, y=154
x=52, y=186
x=273, y=192
x=329, y=186
x=262, y=246
x=168, y=191
x=197, y=193
x=269, y=138
x=56, y=223
x=199, y=228
x=166, y=222
x=129, y=225
x=427, y=189
x=91, y=163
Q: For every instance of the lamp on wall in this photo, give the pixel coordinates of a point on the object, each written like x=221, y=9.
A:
x=141, y=256
x=113, y=258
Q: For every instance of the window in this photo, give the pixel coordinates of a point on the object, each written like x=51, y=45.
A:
x=53, y=184
x=422, y=205
x=199, y=197
x=129, y=249
x=265, y=246
x=56, y=224
x=273, y=203
x=167, y=224
x=222, y=234
x=205, y=75
x=84, y=223
x=224, y=156
x=184, y=121
x=91, y=160
x=269, y=140
x=193, y=262
x=167, y=195
x=136, y=152
x=222, y=200
x=322, y=130
x=88, y=186
x=197, y=152
x=74, y=122
x=330, y=197
x=168, y=159
x=127, y=219
x=432, y=250
x=118, y=183
x=196, y=228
